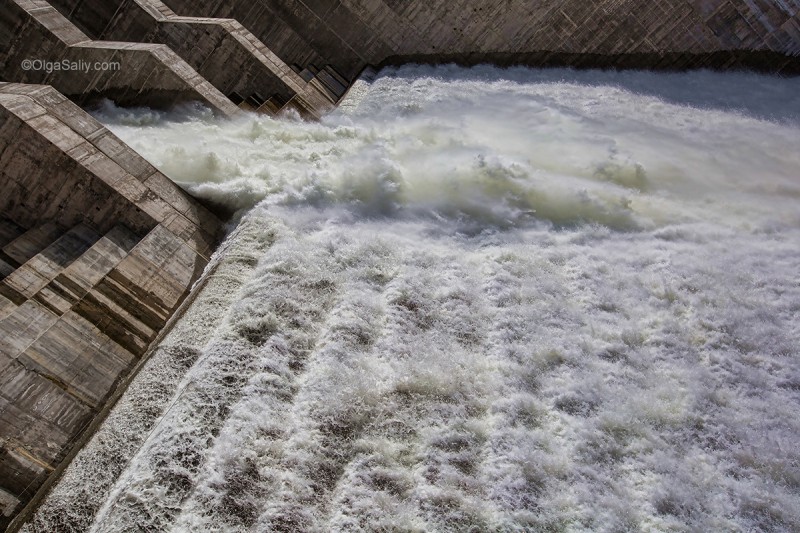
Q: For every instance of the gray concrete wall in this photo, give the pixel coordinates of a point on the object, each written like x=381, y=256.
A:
x=144, y=74
x=349, y=34
x=221, y=50
x=97, y=250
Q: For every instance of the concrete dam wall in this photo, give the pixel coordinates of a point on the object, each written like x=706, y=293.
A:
x=99, y=249
x=348, y=35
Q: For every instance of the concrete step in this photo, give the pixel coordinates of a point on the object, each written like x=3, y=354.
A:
x=332, y=83
x=80, y=277
x=321, y=88
x=338, y=77
x=270, y=107
x=32, y=242
x=43, y=267
x=6, y=307
x=5, y=269
x=116, y=320
x=325, y=82
x=134, y=301
x=306, y=74
x=9, y=231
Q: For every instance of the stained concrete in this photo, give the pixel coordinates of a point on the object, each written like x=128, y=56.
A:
x=129, y=73
x=225, y=53
x=101, y=249
x=348, y=35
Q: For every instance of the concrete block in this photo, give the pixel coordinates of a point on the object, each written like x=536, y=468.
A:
x=26, y=323
x=32, y=242
x=42, y=268
x=38, y=414
x=76, y=309
x=75, y=281
x=79, y=356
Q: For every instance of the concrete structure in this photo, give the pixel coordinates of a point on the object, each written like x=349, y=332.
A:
x=98, y=249
x=231, y=58
x=347, y=35
x=129, y=73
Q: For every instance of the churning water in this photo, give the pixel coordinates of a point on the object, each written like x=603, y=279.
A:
x=476, y=300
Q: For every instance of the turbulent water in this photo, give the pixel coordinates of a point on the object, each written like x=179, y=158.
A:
x=476, y=300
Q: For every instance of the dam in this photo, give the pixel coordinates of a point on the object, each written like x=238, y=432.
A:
x=365, y=265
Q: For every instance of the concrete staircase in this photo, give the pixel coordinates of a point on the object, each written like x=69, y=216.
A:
x=97, y=251
x=84, y=70
x=40, y=269
x=49, y=353
x=221, y=50
x=159, y=58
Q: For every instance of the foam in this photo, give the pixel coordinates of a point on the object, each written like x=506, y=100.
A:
x=484, y=300
x=494, y=148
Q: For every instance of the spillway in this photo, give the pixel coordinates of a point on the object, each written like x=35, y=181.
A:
x=474, y=300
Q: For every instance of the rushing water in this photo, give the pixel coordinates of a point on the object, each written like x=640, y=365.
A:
x=476, y=300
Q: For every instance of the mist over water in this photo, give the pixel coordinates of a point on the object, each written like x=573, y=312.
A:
x=476, y=300
x=489, y=149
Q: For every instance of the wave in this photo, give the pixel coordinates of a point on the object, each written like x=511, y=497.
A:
x=474, y=300
x=491, y=148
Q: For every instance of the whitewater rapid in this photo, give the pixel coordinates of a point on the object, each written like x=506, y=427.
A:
x=475, y=300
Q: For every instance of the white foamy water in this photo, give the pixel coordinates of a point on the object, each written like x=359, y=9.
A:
x=476, y=300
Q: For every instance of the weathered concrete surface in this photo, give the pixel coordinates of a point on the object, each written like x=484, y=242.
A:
x=128, y=73
x=221, y=50
x=350, y=34
x=100, y=249
x=130, y=422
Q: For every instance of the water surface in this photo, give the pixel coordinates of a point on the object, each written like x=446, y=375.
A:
x=482, y=300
